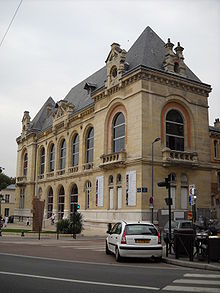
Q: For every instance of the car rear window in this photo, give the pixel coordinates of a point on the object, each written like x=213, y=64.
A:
x=186, y=225
x=140, y=229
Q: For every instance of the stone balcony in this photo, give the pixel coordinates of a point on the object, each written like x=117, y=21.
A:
x=173, y=157
x=73, y=169
x=41, y=177
x=21, y=180
x=50, y=174
x=113, y=160
x=87, y=166
x=61, y=172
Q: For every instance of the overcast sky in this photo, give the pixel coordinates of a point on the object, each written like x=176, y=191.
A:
x=54, y=44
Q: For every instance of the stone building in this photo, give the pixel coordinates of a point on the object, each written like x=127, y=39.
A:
x=8, y=204
x=97, y=145
x=215, y=160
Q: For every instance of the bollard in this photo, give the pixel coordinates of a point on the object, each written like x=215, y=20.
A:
x=39, y=233
x=57, y=234
x=0, y=233
x=22, y=233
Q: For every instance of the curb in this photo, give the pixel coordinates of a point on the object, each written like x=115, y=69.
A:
x=191, y=264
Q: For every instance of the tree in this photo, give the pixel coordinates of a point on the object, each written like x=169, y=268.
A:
x=5, y=181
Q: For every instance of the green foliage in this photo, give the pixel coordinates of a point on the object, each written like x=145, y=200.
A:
x=5, y=181
x=72, y=226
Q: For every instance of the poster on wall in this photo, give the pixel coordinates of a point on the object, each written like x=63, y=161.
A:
x=99, y=190
x=131, y=188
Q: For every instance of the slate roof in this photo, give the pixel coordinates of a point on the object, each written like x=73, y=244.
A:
x=148, y=50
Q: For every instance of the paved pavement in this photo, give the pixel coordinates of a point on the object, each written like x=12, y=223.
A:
x=90, y=232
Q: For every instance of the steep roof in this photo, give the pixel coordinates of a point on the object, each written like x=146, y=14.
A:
x=148, y=50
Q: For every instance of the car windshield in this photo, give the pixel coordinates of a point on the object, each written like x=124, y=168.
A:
x=140, y=229
x=173, y=225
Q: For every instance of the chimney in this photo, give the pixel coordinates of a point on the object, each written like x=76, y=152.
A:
x=217, y=123
x=179, y=51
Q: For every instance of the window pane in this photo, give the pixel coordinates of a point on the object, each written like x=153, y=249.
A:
x=119, y=131
x=119, y=145
x=175, y=129
x=174, y=116
x=120, y=119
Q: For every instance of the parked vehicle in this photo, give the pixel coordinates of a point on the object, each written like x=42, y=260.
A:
x=177, y=224
x=134, y=239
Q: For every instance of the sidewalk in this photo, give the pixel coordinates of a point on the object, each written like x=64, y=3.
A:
x=90, y=231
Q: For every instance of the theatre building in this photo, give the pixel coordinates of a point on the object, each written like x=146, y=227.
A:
x=97, y=145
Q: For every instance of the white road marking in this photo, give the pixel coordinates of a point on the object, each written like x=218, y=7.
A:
x=191, y=289
x=80, y=281
x=201, y=282
x=211, y=276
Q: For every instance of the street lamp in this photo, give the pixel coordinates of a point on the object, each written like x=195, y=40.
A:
x=152, y=195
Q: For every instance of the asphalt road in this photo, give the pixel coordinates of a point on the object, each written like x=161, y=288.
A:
x=81, y=266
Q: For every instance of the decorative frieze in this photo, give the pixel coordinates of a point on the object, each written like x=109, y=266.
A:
x=173, y=157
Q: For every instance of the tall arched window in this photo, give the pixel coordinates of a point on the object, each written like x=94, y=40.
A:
x=25, y=164
x=61, y=200
x=50, y=203
x=73, y=198
x=42, y=160
x=215, y=149
x=63, y=154
x=40, y=192
x=88, y=190
x=90, y=145
x=119, y=133
x=174, y=131
x=52, y=157
x=76, y=150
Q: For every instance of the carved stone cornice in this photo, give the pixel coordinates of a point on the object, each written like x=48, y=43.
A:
x=168, y=79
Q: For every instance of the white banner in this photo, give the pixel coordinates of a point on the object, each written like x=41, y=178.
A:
x=99, y=190
x=131, y=188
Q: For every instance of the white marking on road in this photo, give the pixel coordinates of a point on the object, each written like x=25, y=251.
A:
x=80, y=281
x=201, y=282
x=211, y=276
x=94, y=263
x=191, y=289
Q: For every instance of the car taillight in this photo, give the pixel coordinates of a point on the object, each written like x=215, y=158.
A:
x=123, y=239
x=159, y=240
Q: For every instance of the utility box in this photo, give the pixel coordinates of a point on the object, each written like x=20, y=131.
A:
x=184, y=243
x=214, y=248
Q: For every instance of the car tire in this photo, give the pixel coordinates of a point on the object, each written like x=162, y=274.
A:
x=117, y=255
x=107, y=251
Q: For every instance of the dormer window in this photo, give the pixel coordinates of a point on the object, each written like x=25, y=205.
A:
x=176, y=67
x=114, y=71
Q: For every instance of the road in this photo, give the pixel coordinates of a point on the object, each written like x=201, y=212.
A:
x=67, y=265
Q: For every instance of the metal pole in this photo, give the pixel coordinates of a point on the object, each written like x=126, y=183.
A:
x=152, y=184
x=169, y=198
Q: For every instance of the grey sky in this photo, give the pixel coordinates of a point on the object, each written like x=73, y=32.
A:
x=53, y=44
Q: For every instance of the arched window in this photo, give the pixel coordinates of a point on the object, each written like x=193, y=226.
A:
x=119, y=179
x=61, y=199
x=174, y=131
x=76, y=150
x=88, y=190
x=110, y=180
x=50, y=203
x=215, y=149
x=52, y=157
x=63, y=154
x=25, y=164
x=119, y=133
x=42, y=160
x=90, y=145
x=73, y=198
x=40, y=192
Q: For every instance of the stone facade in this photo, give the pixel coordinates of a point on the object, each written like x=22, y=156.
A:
x=101, y=154
x=8, y=202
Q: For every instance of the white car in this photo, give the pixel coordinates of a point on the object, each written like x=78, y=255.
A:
x=134, y=239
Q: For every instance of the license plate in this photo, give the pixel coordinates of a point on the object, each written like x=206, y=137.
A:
x=142, y=240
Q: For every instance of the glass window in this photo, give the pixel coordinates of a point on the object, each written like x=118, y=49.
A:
x=25, y=164
x=140, y=229
x=63, y=154
x=88, y=190
x=50, y=203
x=52, y=157
x=119, y=179
x=215, y=149
x=22, y=195
x=174, y=131
x=40, y=192
x=119, y=133
x=110, y=180
x=73, y=198
x=90, y=146
x=42, y=160
x=76, y=150
x=7, y=198
x=61, y=200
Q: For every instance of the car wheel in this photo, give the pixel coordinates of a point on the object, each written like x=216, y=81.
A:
x=107, y=251
x=117, y=255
